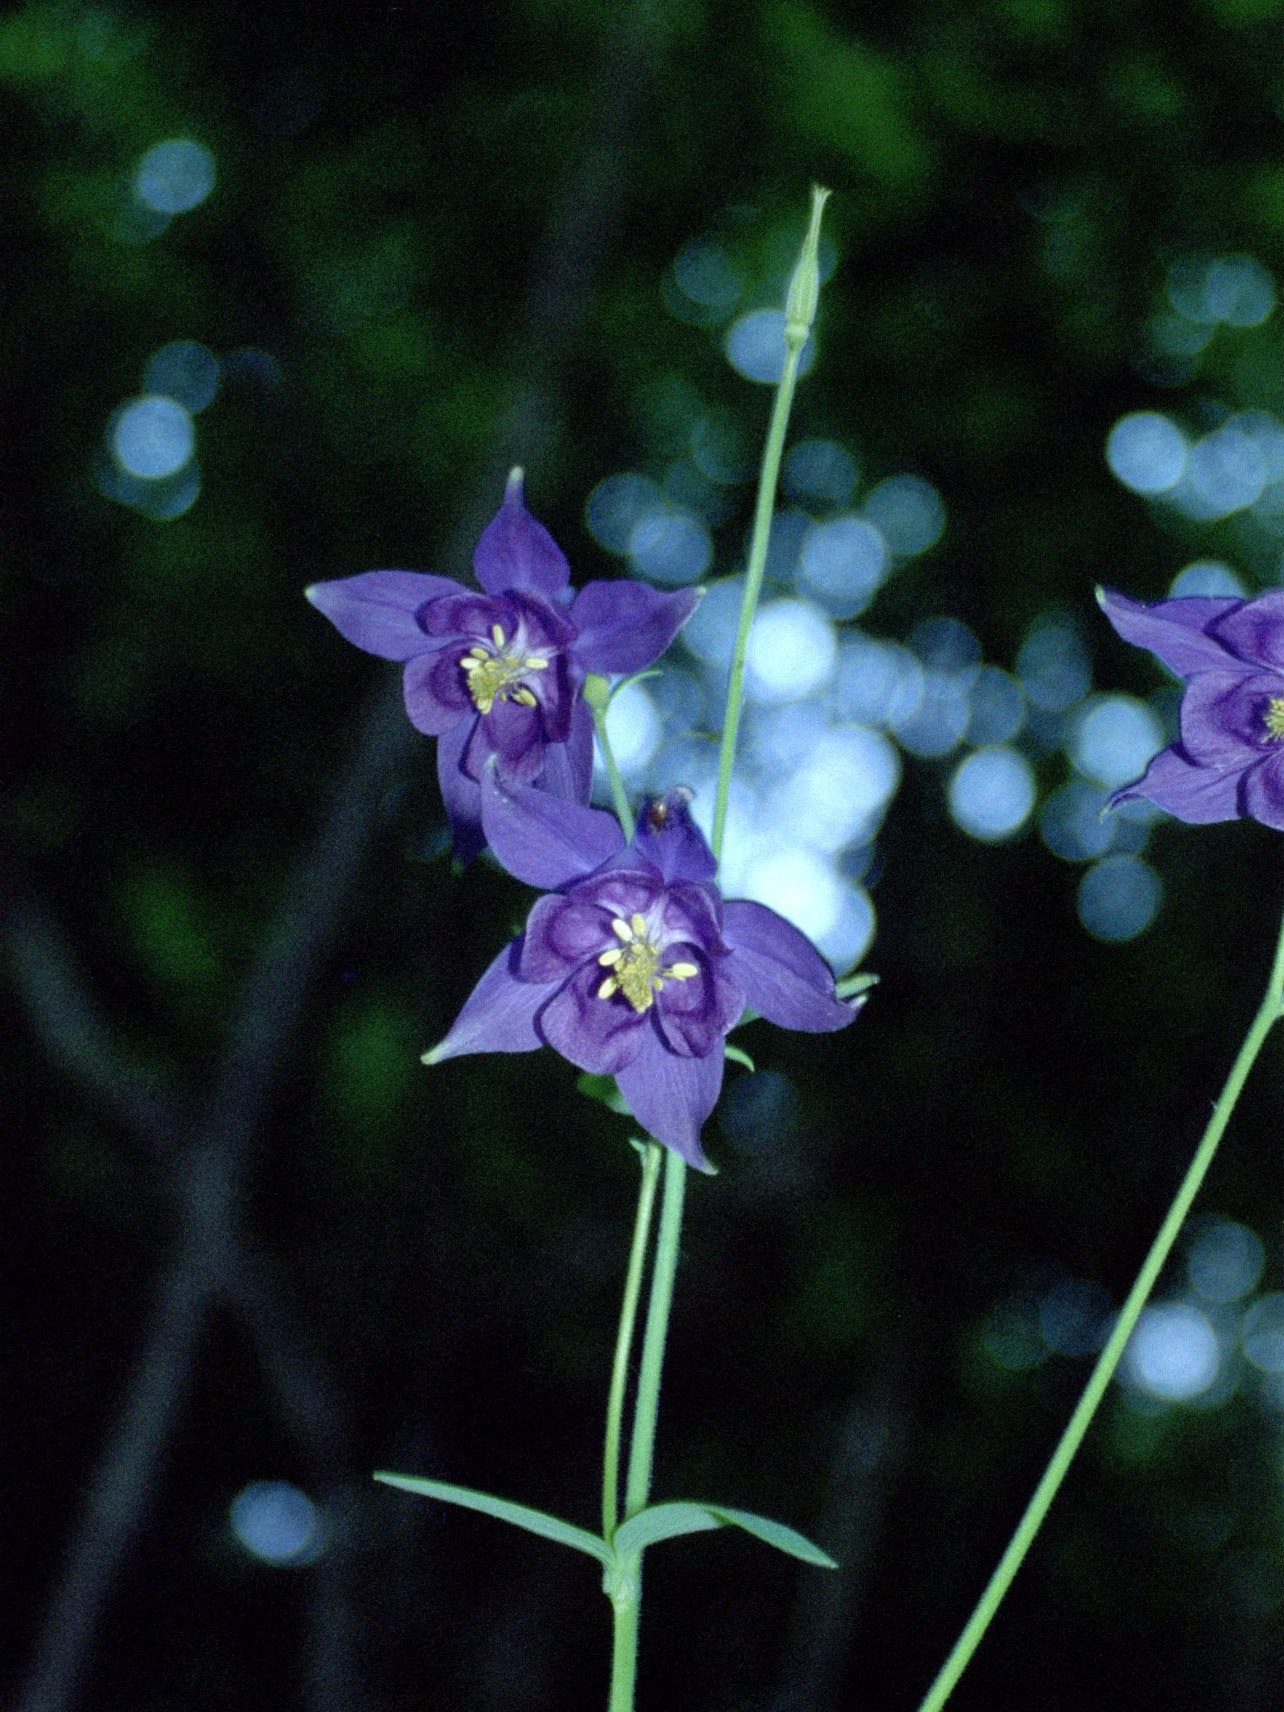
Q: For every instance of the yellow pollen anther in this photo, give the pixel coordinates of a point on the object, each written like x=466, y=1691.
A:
x=1273, y=719
x=498, y=676
x=634, y=965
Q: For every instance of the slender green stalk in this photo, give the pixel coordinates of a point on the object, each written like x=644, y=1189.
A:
x=800, y=312
x=597, y=693
x=1108, y=1360
x=647, y=1405
x=624, y=1651
x=624, y=1339
x=625, y=1583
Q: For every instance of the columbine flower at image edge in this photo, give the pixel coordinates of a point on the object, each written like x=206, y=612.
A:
x=633, y=965
x=499, y=673
x=1228, y=760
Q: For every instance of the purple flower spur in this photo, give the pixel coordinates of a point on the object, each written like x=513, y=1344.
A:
x=1228, y=760
x=633, y=966
x=498, y=674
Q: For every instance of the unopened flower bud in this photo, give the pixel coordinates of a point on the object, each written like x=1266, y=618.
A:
x=804, y=287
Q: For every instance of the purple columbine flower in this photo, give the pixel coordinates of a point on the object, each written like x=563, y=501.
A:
x=1229, y=758
x=499, y=673
x=633, y=966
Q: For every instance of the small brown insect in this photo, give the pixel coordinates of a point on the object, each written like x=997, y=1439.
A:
x=657, y=812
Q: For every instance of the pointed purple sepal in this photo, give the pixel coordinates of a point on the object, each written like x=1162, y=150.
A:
x=517, y=552
x=542, y=839
x=783, y=976
x=671, y=1097
x=376, y=610
x=1175, y=630
x=623, y=626
x=499, y=1015
x=1253, y=630
x=1199, y=795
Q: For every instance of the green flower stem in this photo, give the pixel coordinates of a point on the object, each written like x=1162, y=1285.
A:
x=625, y=1580
x=624, y=1341
x=800, y=311
x=624, y=1584
x=1108, y=1360
x=627, y=1606
x=597, y=693
x=642, y=1445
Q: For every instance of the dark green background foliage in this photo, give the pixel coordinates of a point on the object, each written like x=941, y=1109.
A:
x=248, y=1235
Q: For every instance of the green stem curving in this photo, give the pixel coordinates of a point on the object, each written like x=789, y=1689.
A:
x=967, y=1643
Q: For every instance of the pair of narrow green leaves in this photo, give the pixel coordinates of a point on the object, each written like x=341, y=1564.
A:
x=657, y=1522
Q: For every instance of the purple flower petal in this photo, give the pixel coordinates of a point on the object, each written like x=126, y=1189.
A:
x=1173, y=629
x=599, y=1035
x=1253, y=630
x=561, y=934
x=693, y=910
x=435, y=693
x=513, y=734
x=1196, y=794
x=782, y=974
x=1263, y=791
x=694, y=1015
x=377, y=609
x=542, y=839
x=671, y=1097
x=568, y=767
x=624, y=626
x=520, y=700
x=620, y=891
x=1228, y=762
x=464, y=613
x=517, y=552
x=543, y=625
x=613, y=899
x=667, y=836
x=558, y=700
x=499, y=1015
x=1222, y=717
x=460, y=794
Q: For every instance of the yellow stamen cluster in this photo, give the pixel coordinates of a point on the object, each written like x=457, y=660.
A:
x=492, y=674
x=635, y=966
x=1273, y=719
